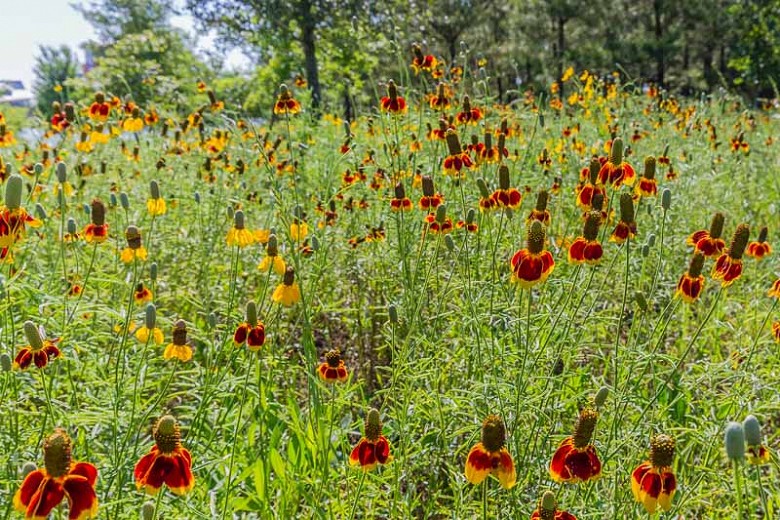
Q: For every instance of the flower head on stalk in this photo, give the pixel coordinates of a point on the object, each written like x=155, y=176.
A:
x=44, y=489
x=590, y=187
x=547, y=509
x=13, y=217
x=615, y=170
x=239, y=235
x=647, y=186
x=653, y=482
x=167, y=463
x=272, y=259
x=691, y=284
x=155, y=205
x=420, y=61
x=135, y=249
x=99, y=109
x=400, y=202
x=576, y=459
x=142, y=294
x=540, y=212
x=457, y=159
x=430, y=200
x=392, y=103
x=468, y=114
x=760, y=248
x=39, y=350
x=332, y=369
x=373, y=448
x=505, y=196
x=532, y=264
x=286, y=103
x=179, y=347
x=728, y=266
x=287, y=293
x=587, y=248
x=149, y=329
x=757, y=452
x=709, y=242
x=251, y=331
x=626, y=228
x=97, y=230
x=490, y=456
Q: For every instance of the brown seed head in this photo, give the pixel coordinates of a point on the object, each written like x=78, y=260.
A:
x=493, y=433
x=536, y=238
x=662, y=450
x=696, y=265
x=716, y=227
x=180, y=333
x=739, y=241
x=586, y=424
x=541, y=200
x=167, y=435
x=649, y=167
x=133, y=236
x=616, y=154
x=373, y=425
x=400, y=192
x=289, y=276
x=590, y=231
x=503, y=177
x=626, y=208
x=57, y=453
x=453, y=143
x=333, y=358
x=762, y=235
x=98, y=213
x=427, y=186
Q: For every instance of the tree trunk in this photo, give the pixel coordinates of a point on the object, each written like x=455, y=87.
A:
x=561, y=49
x=659, y=52
x=310, y=54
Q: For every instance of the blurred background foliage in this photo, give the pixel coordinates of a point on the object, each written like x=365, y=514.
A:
x=343, y=50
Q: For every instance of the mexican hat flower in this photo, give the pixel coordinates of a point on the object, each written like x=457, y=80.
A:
x=420, y=61
x=505, y=196
x=576, y=459
x=590, y=187
x=759, y=248
x=440, y=100
x=430, y=200
x=155, y=204
x=99, y=109
x=653, y=482
x=690, y=285
x=757, y=452
x=39, y=350
x=178, y=348
x=392, y=102
x=728, y=266
x=286, y=103
x=532, y=264
x=626, y=227
x=490, y=456
x=272, y=259
x=149, y=329
x=468, y=114
x=167, y=463
x=97, y=230
x=287, y=293
x=251, y=331
x=647, y=186
x=587, y=248
x=548, y=509
x=540, y=212
x=615, y=170
x=400, y=202
x=135, y=249
x=333, y=369
x=239, y=235
x=142, y=294
x=13, y=217
x=457, y=159
x=373, y=448
x=774, y=291
x=709, y=242
x=44, y=489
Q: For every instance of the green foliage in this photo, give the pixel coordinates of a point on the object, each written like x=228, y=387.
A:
x=53, y=68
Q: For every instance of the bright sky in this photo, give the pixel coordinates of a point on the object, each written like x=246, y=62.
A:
x=26, y=24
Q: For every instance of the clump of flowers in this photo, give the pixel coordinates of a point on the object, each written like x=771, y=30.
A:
x=490, y=456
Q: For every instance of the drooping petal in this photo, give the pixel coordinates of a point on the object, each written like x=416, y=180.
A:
x=81, y=497
x=478, y=464
x=28, y=488
x=48, y=496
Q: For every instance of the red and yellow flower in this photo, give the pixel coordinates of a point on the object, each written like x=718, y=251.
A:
x=167, y=463
x=373, y=448
x=548, y=509
x=39, y=349
x=759, y=248
x=430, y=200
x=142, y=294
x=286, y=103
x=44, y=489
x=333, y=369
x=774, y=291
x=576, y=459
x=99, y=109
x=626, y=227
x=647, y=186
x=653, y=482
x=532, y=264
x=251, y=331
x=505, y=196
x=728, y=266
x=14, y=219
x=400, y=202
x=420, y=61
x=691, y=284
x=587, y=248
x=468, y=114
x=97, y=230
x=615, y=170
x=458, y=159
x=392, y=102
x=441, y=99
x=490, y=456
x=709, y=243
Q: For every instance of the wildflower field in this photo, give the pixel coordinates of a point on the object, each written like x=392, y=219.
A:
x=445, y=308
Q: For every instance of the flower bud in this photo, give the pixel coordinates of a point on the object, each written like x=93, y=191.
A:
x=27, y=468
x=735, y=441
x=70, y=112
x=470, y=215
x=651, y=240
x=449, y=243
x=112, y=200
x=601, y=396
x=441, y=213
x=38, y=168
x=150, y=317
x=315, y=243
x=13, y=192
x=124, y=201
x=483, y=189
x=61, y=171
x=640, y=299
x=666, y=199
x=212, y=320
x=5, y=362
x=153, y=272
x=196, y=196
x=40, y=212
x=147, y=511
x=541, y=119
x=33, y=335
x=645, y=250
x=752, y=430
x=392, y=312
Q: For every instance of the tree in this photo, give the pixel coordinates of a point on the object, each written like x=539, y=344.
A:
x=53, y=67
x=113, y=19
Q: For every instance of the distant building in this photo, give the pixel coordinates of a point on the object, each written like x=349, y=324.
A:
x=12, y=92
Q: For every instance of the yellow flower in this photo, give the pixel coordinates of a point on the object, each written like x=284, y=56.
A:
x=142, y=335
x=133, y=124
x=129, y=254
x=239, y=235
x=299, y=230
x=274, y=262
x=156, y=207
x=181, y=352
x=287, y=293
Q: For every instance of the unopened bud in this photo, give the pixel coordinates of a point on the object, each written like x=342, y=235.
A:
x=150, y=317
x=449, y=243
x=154, y=189
x=601, y=396
x=640, y=299
x=735, y=441
x=651, y=240
x=124, y=200
x=27, y=468
x=441, y=213
x=112, y=200
x=392, y=312
x=239, y=221
x=61, y=171
x=147, y=510
x=13, y=192
x=153, y=272
x=40, y=212
x=752, y=430
x=38, y=169
x=483, y=189
x=666, y=199
x=71, y=226
x=5, y=362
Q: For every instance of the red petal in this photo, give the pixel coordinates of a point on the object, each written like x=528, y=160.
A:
x=81, y=497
